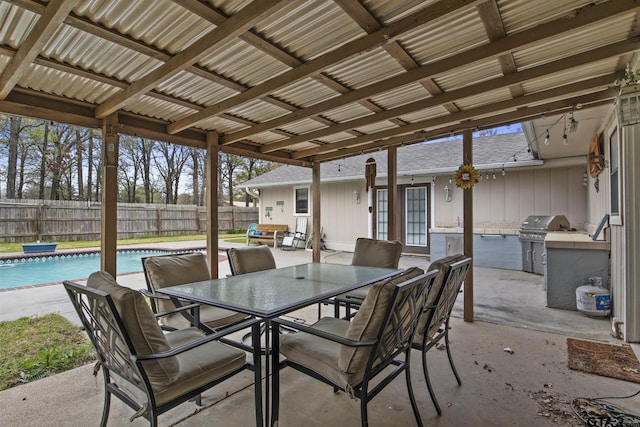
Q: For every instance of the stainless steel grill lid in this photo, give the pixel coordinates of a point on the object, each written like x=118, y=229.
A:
x=545, y=223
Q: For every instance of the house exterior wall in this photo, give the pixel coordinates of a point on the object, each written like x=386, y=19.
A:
x=342, y=219
x=500, y=205
x=628, y=236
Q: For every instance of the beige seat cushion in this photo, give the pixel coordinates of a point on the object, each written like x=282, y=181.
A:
x=344, y=365
x=443, y=265
x=367, y=323
x=315, y=353
x=377, y=253
x=141, y=326
x=164, y=271
x=250, y=259
x=198, y=366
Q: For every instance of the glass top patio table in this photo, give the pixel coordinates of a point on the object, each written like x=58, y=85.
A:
x=271, y=293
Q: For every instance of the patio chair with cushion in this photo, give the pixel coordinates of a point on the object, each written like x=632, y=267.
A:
x=243, y=260
x=290, y=240
x=368, y=253
x=150, y=371
x=177, y=269
x=433, y=324
x=354, y=356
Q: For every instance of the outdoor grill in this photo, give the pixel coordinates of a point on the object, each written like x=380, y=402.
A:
x=535, y=227
x=532, y=233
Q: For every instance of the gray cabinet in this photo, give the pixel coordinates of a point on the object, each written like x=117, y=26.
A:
x=570, y=261
x=533, y=257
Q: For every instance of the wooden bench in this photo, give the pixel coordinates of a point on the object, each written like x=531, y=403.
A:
x=268, y=233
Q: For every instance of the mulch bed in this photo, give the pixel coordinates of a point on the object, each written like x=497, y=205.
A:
x=609, y=360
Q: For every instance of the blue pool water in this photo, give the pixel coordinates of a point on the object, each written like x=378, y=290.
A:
x=58, y=267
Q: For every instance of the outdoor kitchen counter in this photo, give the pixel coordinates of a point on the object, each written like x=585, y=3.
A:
x=492, y=247
x=571, y=259
x=574, y=240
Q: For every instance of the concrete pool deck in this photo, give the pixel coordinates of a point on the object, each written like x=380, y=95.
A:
x=530, y=387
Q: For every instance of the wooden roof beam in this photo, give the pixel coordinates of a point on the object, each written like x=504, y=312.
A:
x=315, y=66
x=595, y=84
x=556, y=107
x=51, y=18
x=231, y=28
x=499, y=47
x=467, y=91
x=492, y=21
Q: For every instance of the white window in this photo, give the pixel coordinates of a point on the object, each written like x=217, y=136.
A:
x=382, y=214
x=302, y=201
x=614, y=177
x=416, y=214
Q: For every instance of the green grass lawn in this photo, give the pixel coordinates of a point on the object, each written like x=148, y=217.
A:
x=35, y=347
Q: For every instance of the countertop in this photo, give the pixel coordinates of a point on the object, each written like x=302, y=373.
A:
x=574, y=240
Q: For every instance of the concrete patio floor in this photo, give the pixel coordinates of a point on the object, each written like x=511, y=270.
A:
x=531, y=387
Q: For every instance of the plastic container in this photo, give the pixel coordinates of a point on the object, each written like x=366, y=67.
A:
x=593, y=300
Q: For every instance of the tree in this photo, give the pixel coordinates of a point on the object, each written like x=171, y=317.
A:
x=145, y=147
x=170, y=161
x=79, y=155
x=60, y=156
x=197, y=175
x=12, y=164
x=250, y=169
x=129, y=168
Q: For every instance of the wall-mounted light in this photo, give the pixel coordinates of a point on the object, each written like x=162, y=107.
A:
x=447, y=193
x=628, y=101
x=356, y=197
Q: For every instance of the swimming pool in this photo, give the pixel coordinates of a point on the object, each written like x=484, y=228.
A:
x=34, y=270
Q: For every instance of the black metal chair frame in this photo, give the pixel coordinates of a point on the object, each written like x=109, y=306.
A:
x=189, y=310
x=103, y=324
x=392, y=347
x=438, y=315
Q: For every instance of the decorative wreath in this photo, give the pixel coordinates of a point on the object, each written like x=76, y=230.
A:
x=595, y=159
x=466, y=176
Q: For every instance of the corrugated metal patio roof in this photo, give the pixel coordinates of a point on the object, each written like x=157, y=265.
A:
x=310, y=80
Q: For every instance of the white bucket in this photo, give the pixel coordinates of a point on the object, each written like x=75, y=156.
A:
x=593, y=300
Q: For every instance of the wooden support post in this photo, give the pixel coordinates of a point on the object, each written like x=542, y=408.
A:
x=212, y=203
x=467, y=153
x=109, y=222
x=392, y=189
x=315, y=191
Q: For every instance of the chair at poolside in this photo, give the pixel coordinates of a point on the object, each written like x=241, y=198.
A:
x=176, y=269
x=148, y=370
x=249, y=259
x=433, y=325
x=364, y=355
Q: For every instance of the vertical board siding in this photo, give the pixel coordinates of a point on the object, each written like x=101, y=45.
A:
x=505, y=202
x=31, y=220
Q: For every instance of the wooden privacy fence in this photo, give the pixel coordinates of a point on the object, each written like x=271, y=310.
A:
x=50, y=220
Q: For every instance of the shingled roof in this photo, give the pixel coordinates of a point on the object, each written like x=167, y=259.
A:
x=434, y=157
